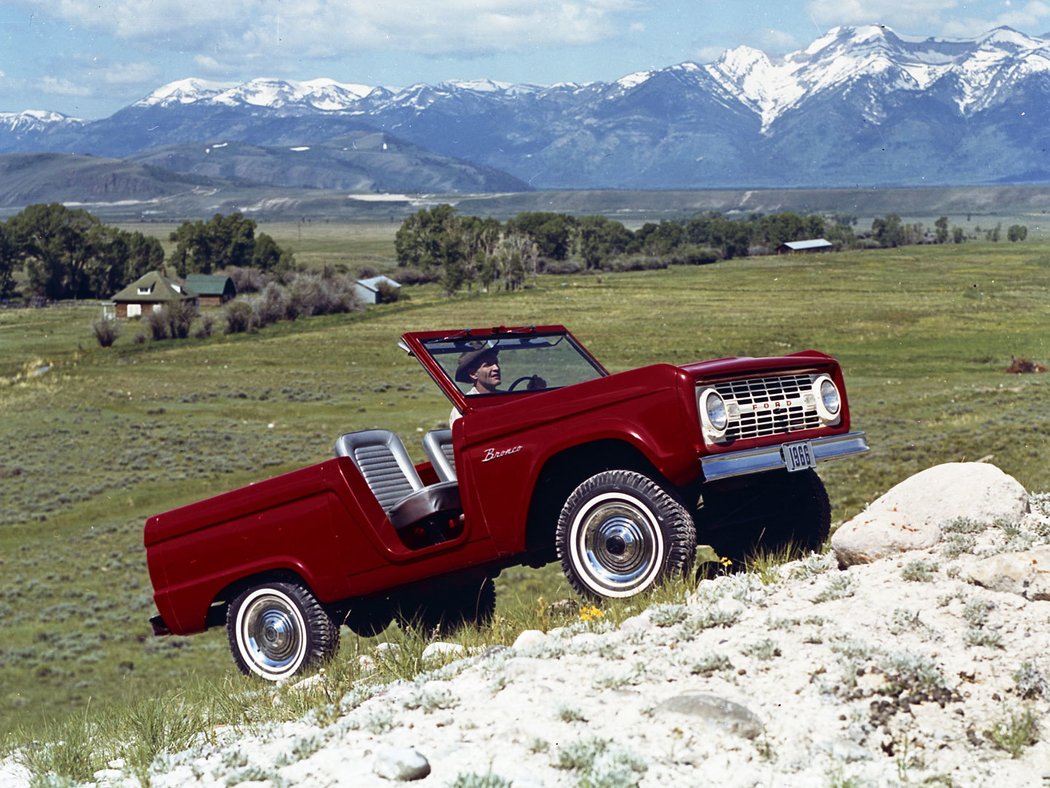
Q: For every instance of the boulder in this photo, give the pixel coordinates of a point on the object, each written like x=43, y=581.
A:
x=719, y=712
x=1025, y=573
x=400, y=764
x=911, y=515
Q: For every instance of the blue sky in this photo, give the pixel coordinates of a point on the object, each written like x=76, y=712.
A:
x=89, y=58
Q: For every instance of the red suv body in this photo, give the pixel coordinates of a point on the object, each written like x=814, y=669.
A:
x=615, y=475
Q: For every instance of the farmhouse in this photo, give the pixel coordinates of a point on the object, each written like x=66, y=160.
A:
x=149, y=292
x=813, y=245
x=212, y=289
x=370, y=291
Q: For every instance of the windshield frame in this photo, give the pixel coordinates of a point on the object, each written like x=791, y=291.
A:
x=424, y=346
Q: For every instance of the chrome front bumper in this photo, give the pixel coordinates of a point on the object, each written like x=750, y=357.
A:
x=769, y=458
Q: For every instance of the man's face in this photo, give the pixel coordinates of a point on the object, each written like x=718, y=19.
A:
x=487, y=377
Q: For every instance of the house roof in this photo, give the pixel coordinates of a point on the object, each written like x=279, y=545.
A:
x=209, y=284
x=815, y=243
x=153, y=288
x=373, y=283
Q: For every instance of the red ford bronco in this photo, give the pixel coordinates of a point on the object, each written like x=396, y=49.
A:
x=616, y=476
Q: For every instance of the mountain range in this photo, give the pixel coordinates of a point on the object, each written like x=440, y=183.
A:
x=858, y=107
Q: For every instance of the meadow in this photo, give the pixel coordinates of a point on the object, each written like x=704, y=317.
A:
x=97, y=440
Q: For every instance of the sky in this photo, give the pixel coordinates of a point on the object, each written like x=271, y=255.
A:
x=90, y=58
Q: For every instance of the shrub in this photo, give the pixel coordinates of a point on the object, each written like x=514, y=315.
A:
x=388, y=293
x=156, y=324
x=238, y=316
x=271, y=306
x=246, y=280
x=314, y=294
x=179, y=316
x=205, y=329
x=106, y=331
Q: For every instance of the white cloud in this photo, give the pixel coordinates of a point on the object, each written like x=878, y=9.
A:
x=129, y=73
x=242, y=30
x=915, y=15
x=57, y=86
x=777, y=41
x=948, y=18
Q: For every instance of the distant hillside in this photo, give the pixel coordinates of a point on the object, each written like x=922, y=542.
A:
x=364, y=162
x=69, y=178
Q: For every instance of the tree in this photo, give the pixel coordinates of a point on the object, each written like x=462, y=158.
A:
x=941, y=231
x=433, y=239
x=550, y=232
x=269, y=256
x=1016, y=232
x=958, y=234
x=888, y=231
x=598, y=238
x=10, y=262
x=221, y=242
x=52, y=241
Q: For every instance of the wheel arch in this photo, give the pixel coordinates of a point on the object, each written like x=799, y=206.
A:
x=216, y=615
x=564, y=472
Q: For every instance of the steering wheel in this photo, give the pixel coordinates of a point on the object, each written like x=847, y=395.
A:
x=519, y=381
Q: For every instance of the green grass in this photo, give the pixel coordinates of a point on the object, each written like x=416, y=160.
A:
x=107, y=437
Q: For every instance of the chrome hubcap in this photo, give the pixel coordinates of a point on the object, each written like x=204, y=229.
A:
x=273, y=633
x=617, y=544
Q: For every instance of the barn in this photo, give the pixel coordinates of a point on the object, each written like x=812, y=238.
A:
x=812, y=245
x=212, y=289
x=370, y=291
x=149, y=292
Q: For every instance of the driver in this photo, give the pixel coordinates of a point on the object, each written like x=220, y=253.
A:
x=481, y=369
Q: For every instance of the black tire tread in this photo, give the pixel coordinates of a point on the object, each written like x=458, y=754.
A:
x=675, y=520
x=322, y=633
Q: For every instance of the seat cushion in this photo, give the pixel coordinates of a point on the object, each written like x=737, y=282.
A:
x=434, y=499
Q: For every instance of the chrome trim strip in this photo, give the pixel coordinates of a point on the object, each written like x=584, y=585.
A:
x=768, y=458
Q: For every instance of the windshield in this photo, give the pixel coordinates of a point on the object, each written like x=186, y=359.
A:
x=531, y=362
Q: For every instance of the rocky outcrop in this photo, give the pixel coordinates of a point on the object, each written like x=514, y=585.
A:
x=915, y=514
x=925, y=666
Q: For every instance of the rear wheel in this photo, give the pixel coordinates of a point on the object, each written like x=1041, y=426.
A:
x=278, y=629
x=776, y=513
x=620, y=533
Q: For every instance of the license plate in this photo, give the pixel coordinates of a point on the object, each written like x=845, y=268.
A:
x=798, y=456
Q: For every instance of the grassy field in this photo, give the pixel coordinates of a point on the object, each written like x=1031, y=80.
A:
x=100, y=439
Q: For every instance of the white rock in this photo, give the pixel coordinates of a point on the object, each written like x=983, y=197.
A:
x=530, y=640
x=401, y=764
x=440, y=650
x=910, y=516
x=1025, y=573
x=639, y=623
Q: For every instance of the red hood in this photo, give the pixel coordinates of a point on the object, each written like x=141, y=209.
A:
x=746, y=365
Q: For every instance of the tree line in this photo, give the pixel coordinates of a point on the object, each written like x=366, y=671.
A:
x=68, y=253
x=459, y=251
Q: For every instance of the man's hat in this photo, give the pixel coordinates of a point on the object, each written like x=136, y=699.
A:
x=466, y=363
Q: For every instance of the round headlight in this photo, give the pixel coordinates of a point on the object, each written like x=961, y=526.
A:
x=713, y=414
x=829, y=402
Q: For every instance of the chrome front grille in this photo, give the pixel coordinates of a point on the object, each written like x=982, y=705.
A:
x=759, y=407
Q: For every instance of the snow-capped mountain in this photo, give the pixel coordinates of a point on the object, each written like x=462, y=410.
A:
x=321, y=94
x=981, y=69
x=32, y=120
x=858, y=106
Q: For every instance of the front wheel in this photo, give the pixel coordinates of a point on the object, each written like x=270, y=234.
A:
x=278, y=629
x=620, y=533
